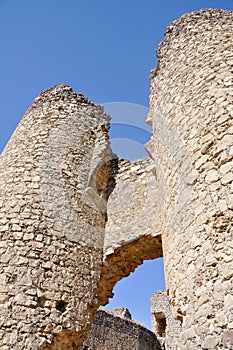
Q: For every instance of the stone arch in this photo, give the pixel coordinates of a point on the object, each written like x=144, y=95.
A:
x=131, y=233
x=125, y=260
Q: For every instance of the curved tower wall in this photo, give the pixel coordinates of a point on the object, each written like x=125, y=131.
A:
x=191, y=113
x=66, y=234
x=52, y=230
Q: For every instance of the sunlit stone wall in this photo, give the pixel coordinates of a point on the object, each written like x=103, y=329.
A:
x=64, y=241
x=52, y=229
x=74, y=219
x=191, y=114
x=116, y=330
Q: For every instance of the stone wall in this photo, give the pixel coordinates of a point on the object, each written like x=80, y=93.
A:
x=75, y=219
x=162, y=320
x=130, y=233
x=191, y=114
x=52, y=230
x=59, y=185
x=116, y=331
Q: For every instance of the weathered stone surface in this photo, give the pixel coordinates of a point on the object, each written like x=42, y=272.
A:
x=227, y=338
x=53, y=238
x=164, y=324
x=191, y=115
x=74, y=219
x=113, y=331
x=210, y=342
x=58, y=180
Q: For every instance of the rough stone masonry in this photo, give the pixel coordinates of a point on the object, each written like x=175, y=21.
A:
x=75, y=219
x=116, y=330
x=191, y=114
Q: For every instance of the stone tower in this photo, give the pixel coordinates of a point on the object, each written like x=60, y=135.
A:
x=51, y=230
x=191, y=114
x=65, y=239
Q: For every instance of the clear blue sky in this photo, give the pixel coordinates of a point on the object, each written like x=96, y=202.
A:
x=104, y=49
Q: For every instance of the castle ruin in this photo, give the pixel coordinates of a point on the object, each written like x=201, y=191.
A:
x=65, y=240
x=116, y=330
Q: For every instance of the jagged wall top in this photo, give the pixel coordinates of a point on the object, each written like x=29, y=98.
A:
x=201, y=21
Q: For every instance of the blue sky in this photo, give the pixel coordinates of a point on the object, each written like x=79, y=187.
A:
x=104, y=49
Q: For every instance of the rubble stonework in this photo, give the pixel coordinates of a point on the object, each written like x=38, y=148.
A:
x=51, y=238
x=191, y=115
x=162, y=320
x=75, y=219
x=130, y=235
x=116, y=331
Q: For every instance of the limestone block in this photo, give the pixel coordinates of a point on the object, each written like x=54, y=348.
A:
x=227, y=339
x=210, y=342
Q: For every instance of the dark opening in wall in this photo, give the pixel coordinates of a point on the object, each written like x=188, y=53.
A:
x=161, y=324
x=179, y=316
x=61, y=306
x=41, y=301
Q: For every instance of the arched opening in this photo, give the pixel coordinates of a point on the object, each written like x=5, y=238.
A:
x=134, y=292
x=132, y=239
x=126, y=319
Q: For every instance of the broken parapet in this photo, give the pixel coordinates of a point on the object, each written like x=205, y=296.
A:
x=112, y=330
x=122, y=312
